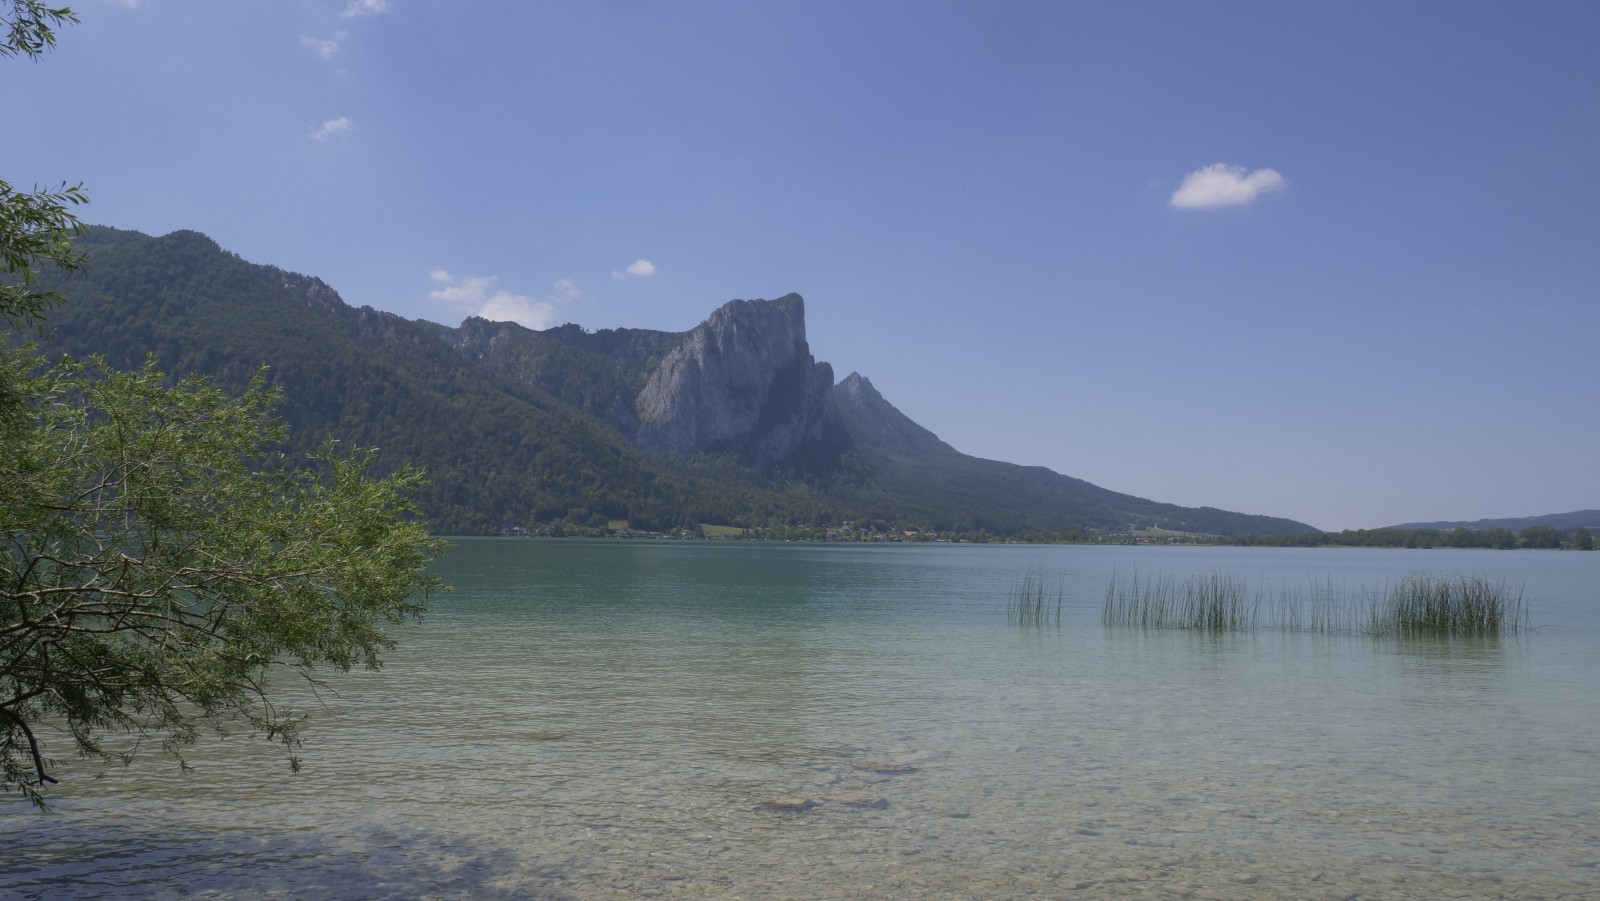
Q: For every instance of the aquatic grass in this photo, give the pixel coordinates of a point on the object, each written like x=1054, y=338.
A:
x=1322, y=610
x=1448, y=605
x=1036, y=599
x=1219, y=602
x=1224, y=602
x=1216, y=601
x=1132, y=600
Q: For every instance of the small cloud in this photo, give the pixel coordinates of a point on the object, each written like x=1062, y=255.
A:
x=131, y=4
x=1222, y=185
x=332, y=128
x=479, y=294
x=365, y=8
x=636, y=269
x=470, y=290
x=503, y=306
x=566, y=289
x=324, y=48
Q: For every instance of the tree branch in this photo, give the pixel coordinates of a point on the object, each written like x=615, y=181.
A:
x=33, y=747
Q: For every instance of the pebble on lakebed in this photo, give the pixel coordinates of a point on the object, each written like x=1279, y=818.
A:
x=884, y=767
x=788, y=803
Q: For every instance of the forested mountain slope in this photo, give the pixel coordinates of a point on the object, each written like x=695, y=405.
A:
x=494, y=450
x=1563, y=522
x=928, y=477
x=733, y=422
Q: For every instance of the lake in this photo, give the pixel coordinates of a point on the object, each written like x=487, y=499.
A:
x=612, y=719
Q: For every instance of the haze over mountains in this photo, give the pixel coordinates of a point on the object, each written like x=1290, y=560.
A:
x=733, y=422
x=1563, y=522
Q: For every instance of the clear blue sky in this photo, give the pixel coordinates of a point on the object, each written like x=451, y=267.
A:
x=1337, y=262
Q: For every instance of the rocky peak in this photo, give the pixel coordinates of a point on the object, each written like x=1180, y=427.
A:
x=859, y=388
x=316, y=293
x=873, y=422
x=744, y=382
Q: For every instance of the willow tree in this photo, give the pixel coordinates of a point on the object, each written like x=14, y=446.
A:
x=161, y=567
x=36, y=227
x=158, y=565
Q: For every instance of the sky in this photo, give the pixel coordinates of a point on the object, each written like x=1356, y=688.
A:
x=1335, y=262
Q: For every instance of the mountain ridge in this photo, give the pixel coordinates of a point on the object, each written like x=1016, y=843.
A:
x=1577, y=519
x=731, y=422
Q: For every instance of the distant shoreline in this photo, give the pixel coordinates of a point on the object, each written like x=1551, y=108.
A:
x=1577, y=540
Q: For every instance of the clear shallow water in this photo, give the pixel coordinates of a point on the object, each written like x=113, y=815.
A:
x=605, y=719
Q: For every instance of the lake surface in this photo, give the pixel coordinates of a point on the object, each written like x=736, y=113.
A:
x=605, y=719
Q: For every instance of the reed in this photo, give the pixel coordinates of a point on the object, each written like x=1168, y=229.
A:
x=1132, y=600
x=1448, y=605
x=1472, y=606
x=1219, y=602
x=1216, y=602
x=1036, y=599
x=1322, y=610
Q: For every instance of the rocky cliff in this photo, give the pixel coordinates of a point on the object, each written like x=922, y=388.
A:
x=743, y=382
x=515, y=426
x=876, y=424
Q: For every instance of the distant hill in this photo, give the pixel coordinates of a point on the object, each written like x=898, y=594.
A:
x=1578, y=519
x=731, y=423
x=923, y=474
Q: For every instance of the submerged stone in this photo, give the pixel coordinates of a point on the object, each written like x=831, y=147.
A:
x=884, y=767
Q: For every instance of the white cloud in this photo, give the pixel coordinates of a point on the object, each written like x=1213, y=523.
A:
x=566, y=289
x=365, y=8
x=131, y=4
x=636, y=269
x=479, y=294
x=503, y=306
x=332, y=128
x=469, y=291
x=1223, y=185
x=324, y=48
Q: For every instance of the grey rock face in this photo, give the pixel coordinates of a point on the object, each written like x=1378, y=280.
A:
x=874, y=423
x=744, y=382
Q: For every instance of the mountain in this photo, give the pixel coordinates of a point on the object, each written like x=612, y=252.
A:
x=1561, y=522
x=494, y=449
x=926, y=475
x=742, y=383
x=732, y=422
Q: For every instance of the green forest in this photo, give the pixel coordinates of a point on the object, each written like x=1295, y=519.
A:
x=516, y=429
x=1536, y=537
x=510, y=425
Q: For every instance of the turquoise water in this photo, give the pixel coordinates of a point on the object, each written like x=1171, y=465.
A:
x=608, y=719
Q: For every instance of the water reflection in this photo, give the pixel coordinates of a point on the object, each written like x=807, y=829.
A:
x=1442, y=654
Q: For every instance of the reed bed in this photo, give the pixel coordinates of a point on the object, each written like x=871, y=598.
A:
x=1036, y=599
x=1321, y=609
x=1216, y=602
x=1458, y=605
x=1225, y=602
